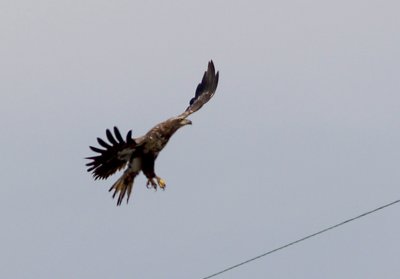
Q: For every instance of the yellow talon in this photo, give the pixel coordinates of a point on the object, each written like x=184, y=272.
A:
x=161, y=183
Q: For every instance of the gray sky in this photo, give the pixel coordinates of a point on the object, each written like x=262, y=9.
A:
x=302, y=133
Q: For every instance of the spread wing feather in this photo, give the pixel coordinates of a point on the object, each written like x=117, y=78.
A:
x=118, y=135
x=128, y=136
x=109, y=161
x=111, y=138
x=204, y=91
x=103, y=143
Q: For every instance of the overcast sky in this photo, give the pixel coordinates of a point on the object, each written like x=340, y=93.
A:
x=302, y=133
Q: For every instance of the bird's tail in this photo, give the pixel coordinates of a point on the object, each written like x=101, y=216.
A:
x=123, y=186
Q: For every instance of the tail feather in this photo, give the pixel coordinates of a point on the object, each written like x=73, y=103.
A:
x=123, y=186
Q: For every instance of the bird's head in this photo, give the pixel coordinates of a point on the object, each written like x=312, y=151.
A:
x=184, y=122
x=173, y=124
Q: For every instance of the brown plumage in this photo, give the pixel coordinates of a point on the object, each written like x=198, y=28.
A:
x=139, y=154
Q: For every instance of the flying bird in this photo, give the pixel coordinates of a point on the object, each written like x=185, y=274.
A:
x=137, y=155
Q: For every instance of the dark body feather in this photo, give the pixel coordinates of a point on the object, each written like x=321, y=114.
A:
x=139, y=154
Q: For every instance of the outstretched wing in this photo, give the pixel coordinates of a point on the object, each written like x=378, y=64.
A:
x=204, y=91
x=115, y=155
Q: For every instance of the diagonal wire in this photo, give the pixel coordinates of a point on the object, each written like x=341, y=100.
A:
x=302, y=239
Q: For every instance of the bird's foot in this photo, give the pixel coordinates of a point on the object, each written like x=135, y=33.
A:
x=151, y=184
x=161, y=182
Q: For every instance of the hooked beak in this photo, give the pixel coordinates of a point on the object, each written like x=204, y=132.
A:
x=186, y=122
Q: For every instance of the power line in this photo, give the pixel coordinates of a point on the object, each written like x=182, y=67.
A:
x=302, y=239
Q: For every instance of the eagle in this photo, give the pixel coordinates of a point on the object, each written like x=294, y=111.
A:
x=137, y=155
